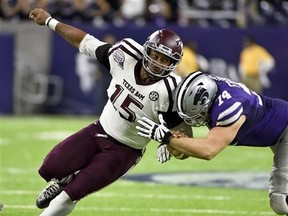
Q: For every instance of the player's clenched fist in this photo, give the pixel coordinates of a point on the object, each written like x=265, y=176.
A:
x=39, y=16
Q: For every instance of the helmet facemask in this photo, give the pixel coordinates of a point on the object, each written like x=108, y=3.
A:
x=197, y=120
x=156, y=69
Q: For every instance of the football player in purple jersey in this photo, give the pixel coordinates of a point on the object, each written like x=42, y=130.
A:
x=141, y=85
x=235, y=115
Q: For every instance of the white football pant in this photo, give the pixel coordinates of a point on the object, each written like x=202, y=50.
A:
x=278, y=183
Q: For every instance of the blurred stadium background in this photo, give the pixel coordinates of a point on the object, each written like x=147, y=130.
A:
x=48, y=91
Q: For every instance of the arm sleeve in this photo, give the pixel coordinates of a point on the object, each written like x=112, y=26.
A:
x=172, y=119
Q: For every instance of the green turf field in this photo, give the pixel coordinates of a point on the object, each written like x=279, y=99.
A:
x=26, y=140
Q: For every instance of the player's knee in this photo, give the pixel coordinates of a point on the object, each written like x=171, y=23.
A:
x=278, y=203
x=49, y=172
x=46, y=173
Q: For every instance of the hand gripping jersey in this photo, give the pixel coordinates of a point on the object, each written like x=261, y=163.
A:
x=266, y=118
x=129, y=98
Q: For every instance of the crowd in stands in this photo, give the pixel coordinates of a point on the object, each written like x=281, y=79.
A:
x=160, y=12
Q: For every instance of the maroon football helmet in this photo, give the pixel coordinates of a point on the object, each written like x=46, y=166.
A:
x=166, y=42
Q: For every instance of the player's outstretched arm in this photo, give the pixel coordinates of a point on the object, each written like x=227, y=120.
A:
x=203, y=148
x=71, y=34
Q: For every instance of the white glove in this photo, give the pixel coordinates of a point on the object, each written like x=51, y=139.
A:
x=152, y=130
x=162, y=153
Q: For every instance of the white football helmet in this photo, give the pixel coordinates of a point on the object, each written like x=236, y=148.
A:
x=194, y=96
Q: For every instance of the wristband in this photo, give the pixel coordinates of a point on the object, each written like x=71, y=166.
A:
x=167, y=137
x=51, y=23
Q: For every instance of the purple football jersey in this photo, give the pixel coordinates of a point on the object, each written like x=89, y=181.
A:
x=266, y=118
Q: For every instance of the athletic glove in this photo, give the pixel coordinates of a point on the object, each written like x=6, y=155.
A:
x=162, y=153
x=152, y=130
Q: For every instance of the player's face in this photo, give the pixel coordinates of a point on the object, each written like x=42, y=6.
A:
x=158, y=61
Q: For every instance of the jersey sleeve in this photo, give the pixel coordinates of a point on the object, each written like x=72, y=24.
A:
x=89, y=45
x=230, y=114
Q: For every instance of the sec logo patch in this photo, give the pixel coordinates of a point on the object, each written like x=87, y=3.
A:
x=153, y=95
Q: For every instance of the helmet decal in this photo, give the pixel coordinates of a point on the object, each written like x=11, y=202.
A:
x=201, y=96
